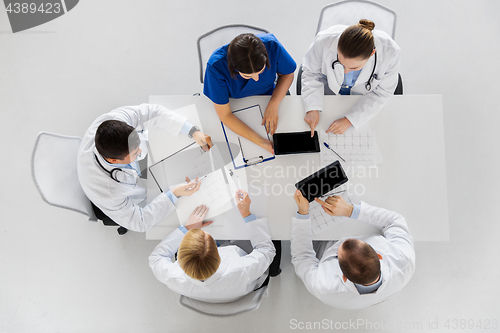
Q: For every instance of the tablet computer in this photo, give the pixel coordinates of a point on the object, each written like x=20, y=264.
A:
x=295, y=143
x=322, y=181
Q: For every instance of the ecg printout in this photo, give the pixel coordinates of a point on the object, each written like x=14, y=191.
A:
x=213, y=193
x=357, y=147
x=321, y=221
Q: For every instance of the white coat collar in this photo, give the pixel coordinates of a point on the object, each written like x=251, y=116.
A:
x=365, y=71
x=103, y=162
x=385, y=273
x=331, y=254
x=221, y=270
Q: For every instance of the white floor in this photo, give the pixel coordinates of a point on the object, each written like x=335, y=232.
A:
x=59, y=273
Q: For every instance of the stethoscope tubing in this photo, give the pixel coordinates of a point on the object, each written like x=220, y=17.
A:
x=368, y=84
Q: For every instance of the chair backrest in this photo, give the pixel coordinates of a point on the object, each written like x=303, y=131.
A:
x=247, y=303
x=218, y=37
x=53, y=167
x=349, y=12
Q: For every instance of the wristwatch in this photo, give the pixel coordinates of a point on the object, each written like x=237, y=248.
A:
x=192, y=130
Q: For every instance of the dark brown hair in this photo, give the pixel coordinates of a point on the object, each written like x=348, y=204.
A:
x=359, y=263
x=114, y=138
x=198, y=255
x=246, y=54
x=357, y=40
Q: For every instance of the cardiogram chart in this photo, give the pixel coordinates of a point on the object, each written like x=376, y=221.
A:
x=207, y=167
x=357, y=147
x=321, y=221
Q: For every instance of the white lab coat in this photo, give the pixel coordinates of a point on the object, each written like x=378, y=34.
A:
x=121, y=202
x=317, y=70
x=323, y=278
x=238, y=274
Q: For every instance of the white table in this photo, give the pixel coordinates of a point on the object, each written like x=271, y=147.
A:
x=411, y=180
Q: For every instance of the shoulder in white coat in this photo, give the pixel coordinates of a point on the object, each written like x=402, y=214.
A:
x=121, y=201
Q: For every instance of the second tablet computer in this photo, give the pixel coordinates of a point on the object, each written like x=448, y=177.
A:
x=295, y=143
x=322, y=181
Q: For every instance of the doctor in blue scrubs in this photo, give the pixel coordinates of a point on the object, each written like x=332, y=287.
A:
x=247, y=67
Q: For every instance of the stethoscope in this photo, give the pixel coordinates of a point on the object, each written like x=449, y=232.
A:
x=368, y=84
x=115, y=172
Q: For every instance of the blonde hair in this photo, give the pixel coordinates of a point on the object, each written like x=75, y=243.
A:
x=357, y=40
x=198, y=255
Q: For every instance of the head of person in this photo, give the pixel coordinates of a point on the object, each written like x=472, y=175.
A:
x=117, y=142
x=356, y=45
x=198, y=255
x=247, y=57
x=359, y=262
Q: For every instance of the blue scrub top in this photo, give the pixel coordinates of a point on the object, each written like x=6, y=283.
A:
x=219, y=85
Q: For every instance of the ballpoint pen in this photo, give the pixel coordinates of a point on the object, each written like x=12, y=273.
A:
x=327, y=146
x=240, y=195
x=196, y=182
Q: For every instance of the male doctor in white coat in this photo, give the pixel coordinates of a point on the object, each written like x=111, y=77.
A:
x=357, y=272
x=350, y=61
x=109, y=171
x=209, y=273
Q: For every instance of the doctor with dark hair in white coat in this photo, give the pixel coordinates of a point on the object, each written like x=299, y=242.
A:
x=354, y=60
x=357, y=272
x=109, y=171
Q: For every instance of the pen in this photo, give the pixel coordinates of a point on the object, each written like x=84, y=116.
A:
x=196, y=182
x=239, y=188
x=327, y=146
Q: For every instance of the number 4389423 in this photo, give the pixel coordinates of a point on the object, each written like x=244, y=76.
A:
x=25, y=8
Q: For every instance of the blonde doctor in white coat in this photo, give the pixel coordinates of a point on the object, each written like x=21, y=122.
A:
x=209, y=273
x=108, y=164
x=355, y=60
x=357, y=272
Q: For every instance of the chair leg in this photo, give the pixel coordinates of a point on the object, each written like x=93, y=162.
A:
x=122, y=231
x=274, y=269
x=399, y=87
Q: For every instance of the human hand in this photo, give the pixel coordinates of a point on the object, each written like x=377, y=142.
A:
x=266, y=144
x=271, y=118
x=205, y=141
x=339, y=126
x=312, y=118
x=243, y=201
x=302, y=203
x=186, y=190
x=336, y=206
x=195, y=220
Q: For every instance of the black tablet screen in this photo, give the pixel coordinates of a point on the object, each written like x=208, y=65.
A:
x=295, y=143
x=322, y=181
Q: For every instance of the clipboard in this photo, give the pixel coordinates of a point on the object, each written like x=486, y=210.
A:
x=189, y=161
x=250, y=153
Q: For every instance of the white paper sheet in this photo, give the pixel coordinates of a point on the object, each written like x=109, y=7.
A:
x=213, y=193
x=321, y=221
x=355, y=147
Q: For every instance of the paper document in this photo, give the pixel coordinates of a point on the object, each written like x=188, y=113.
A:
x=354, y=146
x=213, y=193
x=321, y=221
x=249, y=153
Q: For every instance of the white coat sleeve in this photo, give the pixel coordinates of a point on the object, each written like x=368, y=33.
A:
x=312, y=84
x=371, y=103
x=145, y=116
x=134, y=217
x=303, y=255
x=160, y=260
x=122, y=209
x=258, y=261
x=393, y=226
